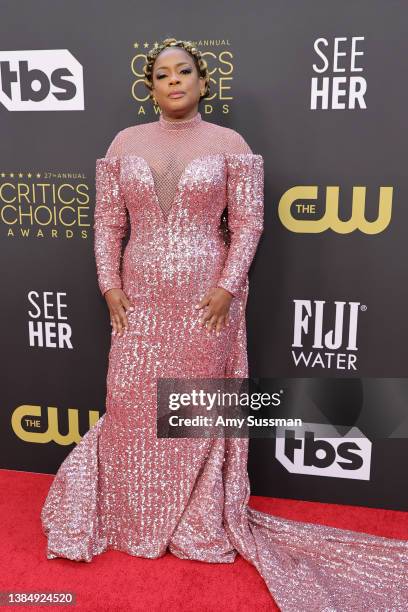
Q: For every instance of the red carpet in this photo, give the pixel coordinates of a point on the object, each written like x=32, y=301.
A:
x=116, y=582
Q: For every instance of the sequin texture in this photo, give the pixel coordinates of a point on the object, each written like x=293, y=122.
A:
x=121, y=487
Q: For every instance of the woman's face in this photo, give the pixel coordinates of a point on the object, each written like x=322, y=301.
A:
x=174, y=71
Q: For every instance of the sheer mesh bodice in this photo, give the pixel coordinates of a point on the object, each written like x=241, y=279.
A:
x=169, y=146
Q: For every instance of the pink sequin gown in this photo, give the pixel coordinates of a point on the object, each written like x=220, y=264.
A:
x=121, y=487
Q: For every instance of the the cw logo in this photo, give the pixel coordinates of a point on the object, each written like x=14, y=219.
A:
x=26, y=413
x=330, y=219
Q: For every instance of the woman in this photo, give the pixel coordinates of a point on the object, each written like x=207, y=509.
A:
x=177, y=308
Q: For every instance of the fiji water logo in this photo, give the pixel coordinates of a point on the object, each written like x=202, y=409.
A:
x=325, y=335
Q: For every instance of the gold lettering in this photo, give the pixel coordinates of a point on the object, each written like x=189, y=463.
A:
x=330, y=219
x=52, y=433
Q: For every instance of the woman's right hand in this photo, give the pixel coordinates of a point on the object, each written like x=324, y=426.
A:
x=118, y=305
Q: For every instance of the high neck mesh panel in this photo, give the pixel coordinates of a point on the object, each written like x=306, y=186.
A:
x=169, y=146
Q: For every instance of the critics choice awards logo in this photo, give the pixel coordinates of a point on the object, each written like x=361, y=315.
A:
x=48, y=204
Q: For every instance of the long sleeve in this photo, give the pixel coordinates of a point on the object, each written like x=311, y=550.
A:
x=110, y=219
x=245, y=201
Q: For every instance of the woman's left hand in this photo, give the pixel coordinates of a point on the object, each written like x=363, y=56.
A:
x=217, y=300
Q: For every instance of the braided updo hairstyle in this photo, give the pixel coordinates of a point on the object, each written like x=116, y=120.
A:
x=202, y=69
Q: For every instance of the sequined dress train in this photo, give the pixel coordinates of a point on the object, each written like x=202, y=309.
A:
x=122, y=487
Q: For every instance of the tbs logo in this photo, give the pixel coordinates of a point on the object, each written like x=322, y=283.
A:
x=41, y=80
x=317, y=450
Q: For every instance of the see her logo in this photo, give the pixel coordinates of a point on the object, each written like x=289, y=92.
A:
x=48, y=326
x=338, y=87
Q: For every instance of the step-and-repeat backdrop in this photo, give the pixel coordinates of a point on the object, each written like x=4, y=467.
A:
x=320, y=91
